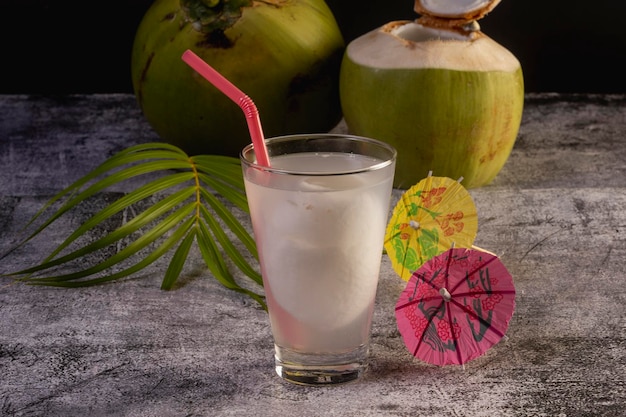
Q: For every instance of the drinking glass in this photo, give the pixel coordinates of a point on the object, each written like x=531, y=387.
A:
x=319, y=215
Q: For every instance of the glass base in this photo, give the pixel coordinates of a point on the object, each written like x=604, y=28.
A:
x=320, y=368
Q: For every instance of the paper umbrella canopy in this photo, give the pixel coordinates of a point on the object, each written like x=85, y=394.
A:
x=456, y=306
x=429, y=218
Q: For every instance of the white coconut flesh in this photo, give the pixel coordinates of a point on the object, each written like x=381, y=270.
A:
x=409, y=45
x=455, y=8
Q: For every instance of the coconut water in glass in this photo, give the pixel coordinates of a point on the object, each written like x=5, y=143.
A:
x=319, y=215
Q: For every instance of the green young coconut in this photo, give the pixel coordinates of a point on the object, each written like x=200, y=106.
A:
x=448, y=97
x=284, y=54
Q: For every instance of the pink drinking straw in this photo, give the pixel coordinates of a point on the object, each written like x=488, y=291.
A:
x=239, y=97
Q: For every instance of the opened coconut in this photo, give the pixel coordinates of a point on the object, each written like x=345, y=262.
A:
x=447, y=96
x=284, y=54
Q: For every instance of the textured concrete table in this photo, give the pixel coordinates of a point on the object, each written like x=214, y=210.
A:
x=556, y=214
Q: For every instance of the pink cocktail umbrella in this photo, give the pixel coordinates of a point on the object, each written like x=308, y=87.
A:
x=456, y=306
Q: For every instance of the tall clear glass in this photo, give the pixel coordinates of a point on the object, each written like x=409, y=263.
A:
x=319, y=216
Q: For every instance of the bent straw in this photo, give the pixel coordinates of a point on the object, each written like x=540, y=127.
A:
x=239, y=97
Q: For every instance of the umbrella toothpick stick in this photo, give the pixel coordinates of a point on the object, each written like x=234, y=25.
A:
x=445, y=294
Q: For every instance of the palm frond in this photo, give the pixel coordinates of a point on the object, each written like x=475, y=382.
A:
x=192, y=210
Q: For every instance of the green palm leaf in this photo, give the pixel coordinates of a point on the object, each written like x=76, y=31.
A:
x=192, y=208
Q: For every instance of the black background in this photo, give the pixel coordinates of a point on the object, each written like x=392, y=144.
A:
x=71, y=46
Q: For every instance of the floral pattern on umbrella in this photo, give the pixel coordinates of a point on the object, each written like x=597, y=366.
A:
x=428, y=219
x=456, y=306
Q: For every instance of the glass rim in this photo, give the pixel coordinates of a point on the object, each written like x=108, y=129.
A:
x=389, y=159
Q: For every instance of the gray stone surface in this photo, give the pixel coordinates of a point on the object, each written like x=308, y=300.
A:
x=555, y=214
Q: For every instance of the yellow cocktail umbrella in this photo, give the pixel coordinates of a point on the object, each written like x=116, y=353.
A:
x=431, y=217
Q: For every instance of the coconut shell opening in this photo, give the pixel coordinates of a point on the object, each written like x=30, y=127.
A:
x=415, y=32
